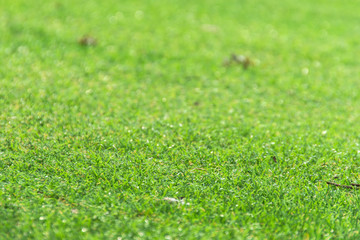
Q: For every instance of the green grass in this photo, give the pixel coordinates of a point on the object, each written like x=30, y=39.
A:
x=92, y=139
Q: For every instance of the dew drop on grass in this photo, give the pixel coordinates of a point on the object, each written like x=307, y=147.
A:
x=305, y=71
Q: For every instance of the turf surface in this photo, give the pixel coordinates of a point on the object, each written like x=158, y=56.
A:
x=95, y=141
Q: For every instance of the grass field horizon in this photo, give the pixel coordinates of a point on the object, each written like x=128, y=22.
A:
x=120, y=120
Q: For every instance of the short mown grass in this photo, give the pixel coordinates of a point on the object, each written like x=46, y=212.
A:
x=96, y=138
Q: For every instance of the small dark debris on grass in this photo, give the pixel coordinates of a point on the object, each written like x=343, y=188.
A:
x=87, y=41
x=235, y=59
x=196, y=103
x=274, y=159
x=352, y=186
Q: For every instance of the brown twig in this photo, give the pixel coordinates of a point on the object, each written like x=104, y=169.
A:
x=355, y=184
x=339, y=185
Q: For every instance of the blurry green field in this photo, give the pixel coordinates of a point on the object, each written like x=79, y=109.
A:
x=93, y=138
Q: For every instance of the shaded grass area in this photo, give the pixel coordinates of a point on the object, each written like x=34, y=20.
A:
x=93, y=138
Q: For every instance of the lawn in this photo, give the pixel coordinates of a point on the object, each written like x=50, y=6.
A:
x=120, y=120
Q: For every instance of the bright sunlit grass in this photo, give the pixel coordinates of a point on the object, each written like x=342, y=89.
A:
x=120, y=120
